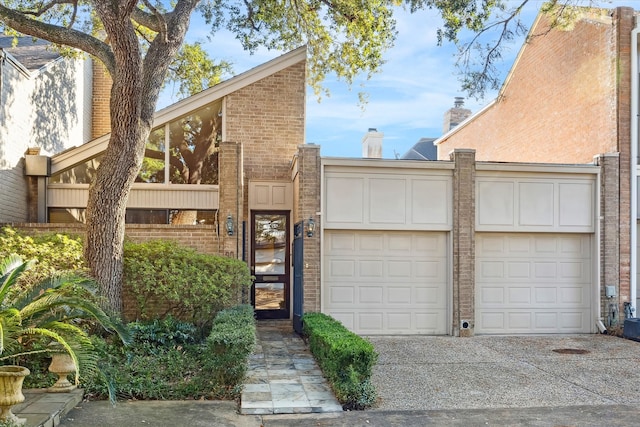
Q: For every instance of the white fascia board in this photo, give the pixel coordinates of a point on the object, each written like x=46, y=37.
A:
x=465, y=122
x=225, y=88
x=75, y=155
x=16, y=64
x=380, y=163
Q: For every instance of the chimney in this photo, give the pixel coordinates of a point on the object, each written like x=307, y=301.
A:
x=455, y=115
x=100, y=100
x=372, y=144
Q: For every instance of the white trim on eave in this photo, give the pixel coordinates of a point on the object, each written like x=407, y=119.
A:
x=234, y=84
x=92, y=148
x=10, y=59
x=465, y=122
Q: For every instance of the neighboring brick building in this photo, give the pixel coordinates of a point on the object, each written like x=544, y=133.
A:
x=567, y=99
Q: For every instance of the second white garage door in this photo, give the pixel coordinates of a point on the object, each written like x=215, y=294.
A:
x=533, y=283
x=386, y=282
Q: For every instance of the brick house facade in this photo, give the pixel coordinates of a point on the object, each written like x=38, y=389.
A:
x=261, y=115
x=567, y=99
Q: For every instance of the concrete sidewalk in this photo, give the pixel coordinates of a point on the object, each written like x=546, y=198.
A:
x=223, y=414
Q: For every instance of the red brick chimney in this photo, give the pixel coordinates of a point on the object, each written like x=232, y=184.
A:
x=456, y=115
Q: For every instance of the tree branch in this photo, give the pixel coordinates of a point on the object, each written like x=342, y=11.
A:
x=58, y=35
x=156, y=20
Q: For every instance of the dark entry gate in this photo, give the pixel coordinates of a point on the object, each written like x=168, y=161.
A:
x=298, y=275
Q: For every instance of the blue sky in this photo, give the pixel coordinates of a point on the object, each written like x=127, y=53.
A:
x=406, y=99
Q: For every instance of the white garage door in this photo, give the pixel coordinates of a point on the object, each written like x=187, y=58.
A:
x=533, y=283
x=386, y=282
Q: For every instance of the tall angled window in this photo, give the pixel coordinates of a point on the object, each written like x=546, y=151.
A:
x=193, y=146
x=153, y=164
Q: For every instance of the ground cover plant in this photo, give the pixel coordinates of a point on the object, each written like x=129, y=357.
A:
x=168, y=359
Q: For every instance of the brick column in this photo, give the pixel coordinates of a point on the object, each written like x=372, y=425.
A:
x=609, y=233
x=463, y=236
x=100, y=100
x=624, y=22
x=231, y=198
x=308, y=204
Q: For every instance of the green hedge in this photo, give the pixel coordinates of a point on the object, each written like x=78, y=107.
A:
x=168, y=279
x=345, y=358
x=229, y=345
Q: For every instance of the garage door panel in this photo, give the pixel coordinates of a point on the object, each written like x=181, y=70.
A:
x=399, y=295
x=533, y=283
x=342, y=295
x=342, y=268
x=519, y=296
x=489, y=295
x=397, y=285
x=399, y=268
x=370, y=268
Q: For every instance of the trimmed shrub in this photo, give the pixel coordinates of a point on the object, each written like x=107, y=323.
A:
x=345, y=358
x=168, y=279
x=229, y=346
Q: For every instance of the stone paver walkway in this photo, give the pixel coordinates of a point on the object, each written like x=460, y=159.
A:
x=283, y=376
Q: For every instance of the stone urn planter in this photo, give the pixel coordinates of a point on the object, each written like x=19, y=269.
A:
x=11, y=378
x=62, y=365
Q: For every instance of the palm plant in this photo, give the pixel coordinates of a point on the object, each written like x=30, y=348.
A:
x=56, y=310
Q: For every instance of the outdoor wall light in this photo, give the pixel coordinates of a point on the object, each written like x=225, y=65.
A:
x=311, y=227
x=229, y=225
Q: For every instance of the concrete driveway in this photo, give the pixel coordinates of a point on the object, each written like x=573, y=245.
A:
x=441, y=373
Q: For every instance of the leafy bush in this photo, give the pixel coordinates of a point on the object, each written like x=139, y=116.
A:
x=168, y=279
x=52, y=253
x=229, y=346
x=166, y=359
x=168, y=332
x=346, y=359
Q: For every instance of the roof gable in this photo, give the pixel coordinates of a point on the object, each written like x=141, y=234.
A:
x=181, y=108
x=30, y=53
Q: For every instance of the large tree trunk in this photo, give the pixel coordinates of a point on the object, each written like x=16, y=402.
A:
x=134, y=94
x=109, y=192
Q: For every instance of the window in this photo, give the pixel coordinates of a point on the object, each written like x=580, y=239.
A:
x=139, y=216
x=79, y=174
x=153, y=164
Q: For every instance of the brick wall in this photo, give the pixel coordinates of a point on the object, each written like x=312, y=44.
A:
x=101, y=98
x=230, y=196
x=463, y=236
x=267, y=118
x=558, y=105
x=609, y=231
x=624, y=22
x=307, y=205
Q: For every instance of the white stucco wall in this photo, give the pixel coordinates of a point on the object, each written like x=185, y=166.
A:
x=46, y=108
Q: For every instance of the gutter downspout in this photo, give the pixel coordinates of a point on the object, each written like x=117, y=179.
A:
x=634, y=164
